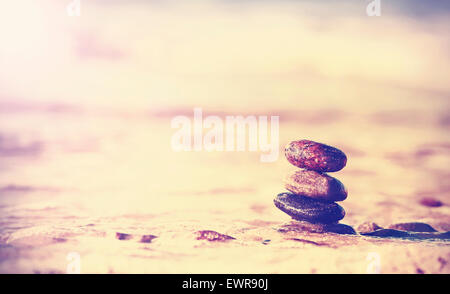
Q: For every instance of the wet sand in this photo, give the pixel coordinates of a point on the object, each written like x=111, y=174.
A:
x=78, y=182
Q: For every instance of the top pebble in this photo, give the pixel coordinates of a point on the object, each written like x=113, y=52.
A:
x=315, y=156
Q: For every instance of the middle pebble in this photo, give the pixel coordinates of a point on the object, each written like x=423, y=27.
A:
x=315, y=185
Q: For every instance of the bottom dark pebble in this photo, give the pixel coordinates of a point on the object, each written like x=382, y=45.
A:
x=340, y=229
x=304, y=226
x=307, y=209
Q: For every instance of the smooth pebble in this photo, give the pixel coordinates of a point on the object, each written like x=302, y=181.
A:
x=315, y=156
x=315, y=185
x=308, y=209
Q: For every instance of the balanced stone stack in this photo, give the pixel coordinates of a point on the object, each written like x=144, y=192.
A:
x=312, y=195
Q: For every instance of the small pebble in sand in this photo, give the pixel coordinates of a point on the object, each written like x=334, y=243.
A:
x=143, y=239
x=368, y=227
x=387, y=233
x=413, y=227
x=308, y=209
x=432, y=235
x=315, y=156
x=391, y=233
x=212, y=236
x=431, y=202
x=147, y=238
x=315, y=185
x=123, y=236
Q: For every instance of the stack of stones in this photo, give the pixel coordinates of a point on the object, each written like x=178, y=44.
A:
x=312, y=196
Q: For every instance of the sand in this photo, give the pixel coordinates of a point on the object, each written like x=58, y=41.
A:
x=83, y=185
